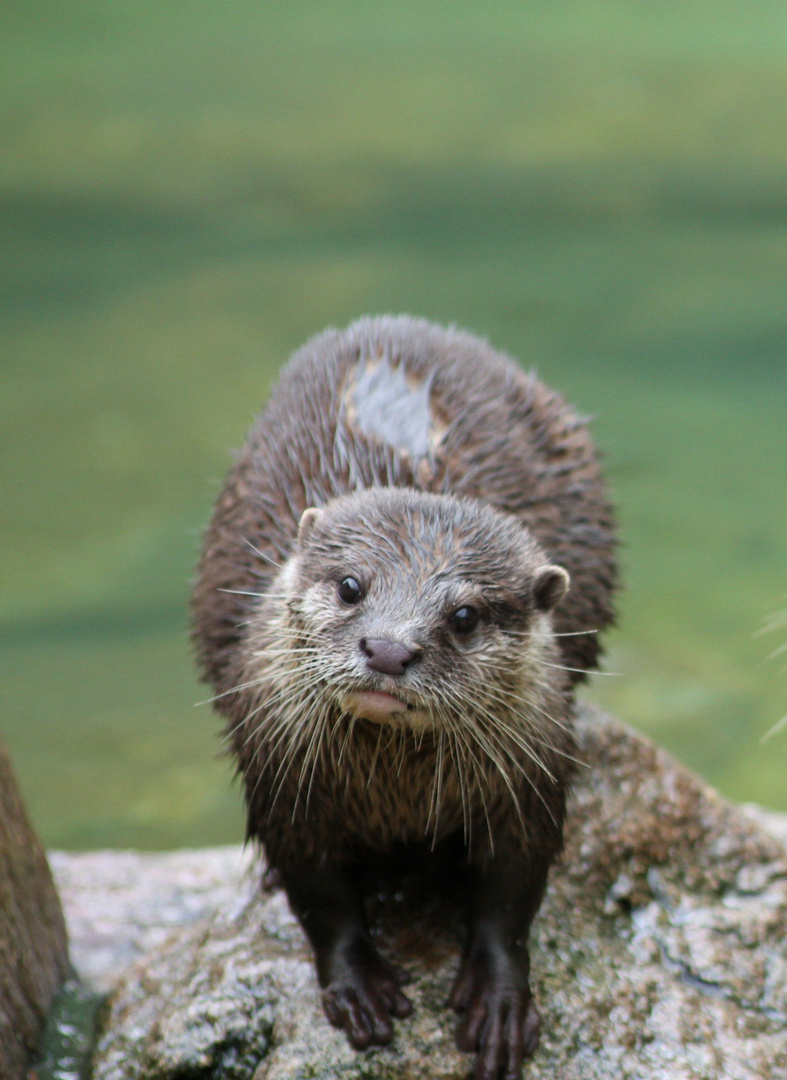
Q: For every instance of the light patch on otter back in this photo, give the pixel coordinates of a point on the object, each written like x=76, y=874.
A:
x=386, y=403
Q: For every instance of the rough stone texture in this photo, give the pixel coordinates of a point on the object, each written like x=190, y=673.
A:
x=660, y=952
x=33, y=948
x=120, y=905
x=772, y=822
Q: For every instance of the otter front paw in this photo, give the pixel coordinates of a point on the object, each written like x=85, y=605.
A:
x=363, y=994
x=500, y=1021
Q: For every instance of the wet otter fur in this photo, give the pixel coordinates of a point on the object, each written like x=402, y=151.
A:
x=382, y=607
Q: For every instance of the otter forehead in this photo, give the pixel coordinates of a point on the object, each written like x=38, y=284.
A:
x=411, y=561
x=403, y=533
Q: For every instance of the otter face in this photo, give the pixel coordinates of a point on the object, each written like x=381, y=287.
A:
x=406, y=607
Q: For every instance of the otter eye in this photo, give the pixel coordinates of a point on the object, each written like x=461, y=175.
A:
x=350, y=591
x=464, y=620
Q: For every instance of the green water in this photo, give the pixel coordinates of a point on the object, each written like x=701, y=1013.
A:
x=188, y=191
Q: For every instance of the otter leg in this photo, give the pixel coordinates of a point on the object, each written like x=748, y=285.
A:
x=492, y=990
x=360, y=990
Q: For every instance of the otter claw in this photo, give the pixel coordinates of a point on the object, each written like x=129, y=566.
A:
x=363, y=1024
x=363, y=998
x=500, y=1022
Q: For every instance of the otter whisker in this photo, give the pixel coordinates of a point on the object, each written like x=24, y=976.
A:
x=525, y=747
x=391, y=739
x=261, y=554
x=314, y=750
x=490, y=746
x=517, y=705
x=552, y=719
x=498, y=723
x=460, y=771
x=374, y=758
x=300, y=704
x=464, y=784
x=280, y=707
x=242, y=592
x=561, y=753
x=491, y=750
x=285, y=652
x=581, y=671
x=437, y=787
x=519, y=708
x=490, y=743
x=291, y=750
x=346, y=740
x=293, y=701
x=271, y=702
x=232, y=690
x=259, y=681
x=446, y=726
x=454, y=727
x=402, y=751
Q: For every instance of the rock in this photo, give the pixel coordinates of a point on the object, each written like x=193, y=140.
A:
x=772, y=822
x=120, y=905
x=660, y=952
x=33, y=947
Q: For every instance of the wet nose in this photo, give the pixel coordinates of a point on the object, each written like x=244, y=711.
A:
x=388, y=656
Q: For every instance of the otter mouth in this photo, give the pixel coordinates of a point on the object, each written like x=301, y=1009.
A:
x=382, y=708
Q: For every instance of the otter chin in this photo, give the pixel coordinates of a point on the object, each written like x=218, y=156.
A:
x=382, y=708
x=405, y=576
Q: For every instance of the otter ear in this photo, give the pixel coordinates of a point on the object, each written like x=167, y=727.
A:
x=550, y=585
x=308, y=520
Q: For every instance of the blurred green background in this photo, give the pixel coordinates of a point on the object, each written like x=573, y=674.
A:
x=190, y=190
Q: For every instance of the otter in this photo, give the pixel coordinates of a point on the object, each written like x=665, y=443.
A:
x=405, y=576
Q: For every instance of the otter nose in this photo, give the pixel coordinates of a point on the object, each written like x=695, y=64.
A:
x=387, y=656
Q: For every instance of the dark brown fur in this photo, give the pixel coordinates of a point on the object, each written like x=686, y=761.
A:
x=480, y=449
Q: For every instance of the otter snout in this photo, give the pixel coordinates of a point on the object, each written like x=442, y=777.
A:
x=389, y=657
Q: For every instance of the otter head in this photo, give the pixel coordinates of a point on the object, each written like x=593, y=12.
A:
x=414, y=610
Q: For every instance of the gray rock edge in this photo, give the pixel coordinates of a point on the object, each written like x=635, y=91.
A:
x=120, y=905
